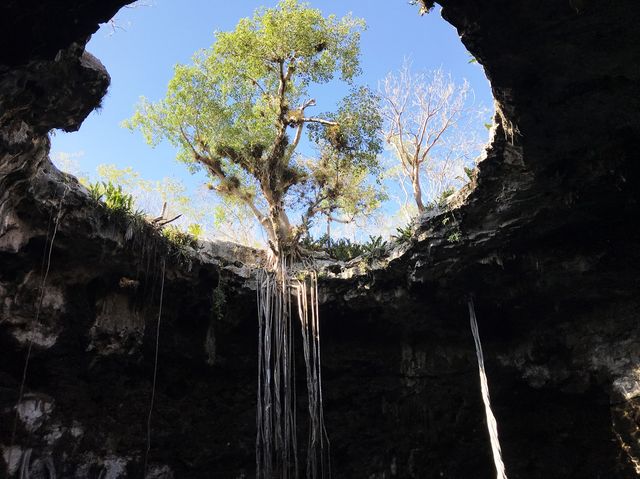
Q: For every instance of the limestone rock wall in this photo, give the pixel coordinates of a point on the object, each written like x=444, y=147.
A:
x=545, y=240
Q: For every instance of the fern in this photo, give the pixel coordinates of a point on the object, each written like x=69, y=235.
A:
x=112, y=196
x=404, y=234
x=95, y=191
x=374, y=248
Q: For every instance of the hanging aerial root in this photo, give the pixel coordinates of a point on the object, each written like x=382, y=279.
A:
x=318, y=448
x=492, y=425
x=155, y=369
x=36, y=321
x=276, y=421
x=276, y=442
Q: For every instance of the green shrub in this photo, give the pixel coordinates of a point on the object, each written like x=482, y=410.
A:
x=455, y=237
x=95, y=191
x=181, y=244
x=311, y=244
x=195, y=230
x=404, y=234
x=342, y=249
x=441, y=201
x=470, y=172
x=178, y=238
x=374, y=248
x=112, y=196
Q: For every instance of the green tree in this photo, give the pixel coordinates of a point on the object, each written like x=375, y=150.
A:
x=240, y=111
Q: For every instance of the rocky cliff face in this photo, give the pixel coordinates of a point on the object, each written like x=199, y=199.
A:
x=545, y=240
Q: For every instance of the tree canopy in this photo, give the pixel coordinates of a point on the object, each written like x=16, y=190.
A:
x=240, y=110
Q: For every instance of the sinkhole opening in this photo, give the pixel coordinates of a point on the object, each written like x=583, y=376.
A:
x=433, y=99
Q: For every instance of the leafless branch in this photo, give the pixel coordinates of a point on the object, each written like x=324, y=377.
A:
x=421, y=112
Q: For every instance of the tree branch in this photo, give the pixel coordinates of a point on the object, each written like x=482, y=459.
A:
x=188, y=141
x=256, y=83
x=215, y=168
x=296, y=140
x=339, y=220
x=312, y=209
x=282, y=86
x=436, y=139
x=166, y=222
x=319, y=120
x=308, y=103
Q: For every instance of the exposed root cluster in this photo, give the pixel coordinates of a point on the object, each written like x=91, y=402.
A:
x=276, y=441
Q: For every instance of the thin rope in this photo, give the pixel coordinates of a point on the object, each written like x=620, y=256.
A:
x=155, y=370
x=492, y=425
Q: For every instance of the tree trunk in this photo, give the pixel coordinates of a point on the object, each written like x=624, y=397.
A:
x=417, y=190
x=282, y=240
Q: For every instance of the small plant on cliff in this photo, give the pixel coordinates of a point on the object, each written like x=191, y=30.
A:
x=195, y=230
x=180, y=239
x=181, y=244
x=95, y=191
x=443, y=198
x=471, y=173
x=342, y=249
x=112, y=196
x=117, y=200
x=219, y=301
x=404, y=234
x=425, y=5
x=374, y=248
x=451, y=222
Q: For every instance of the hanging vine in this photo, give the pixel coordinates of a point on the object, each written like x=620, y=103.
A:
x=46, y=265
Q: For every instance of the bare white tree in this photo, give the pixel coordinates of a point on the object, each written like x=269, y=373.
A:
x=427, y=120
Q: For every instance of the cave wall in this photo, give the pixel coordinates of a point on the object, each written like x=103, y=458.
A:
x=546, y=243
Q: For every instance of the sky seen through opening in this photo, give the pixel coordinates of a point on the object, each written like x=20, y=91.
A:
x=142, y=44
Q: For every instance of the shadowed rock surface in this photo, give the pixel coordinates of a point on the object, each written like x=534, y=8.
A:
x=546, y=239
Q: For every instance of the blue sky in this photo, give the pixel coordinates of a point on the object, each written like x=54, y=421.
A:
x=147, y=41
